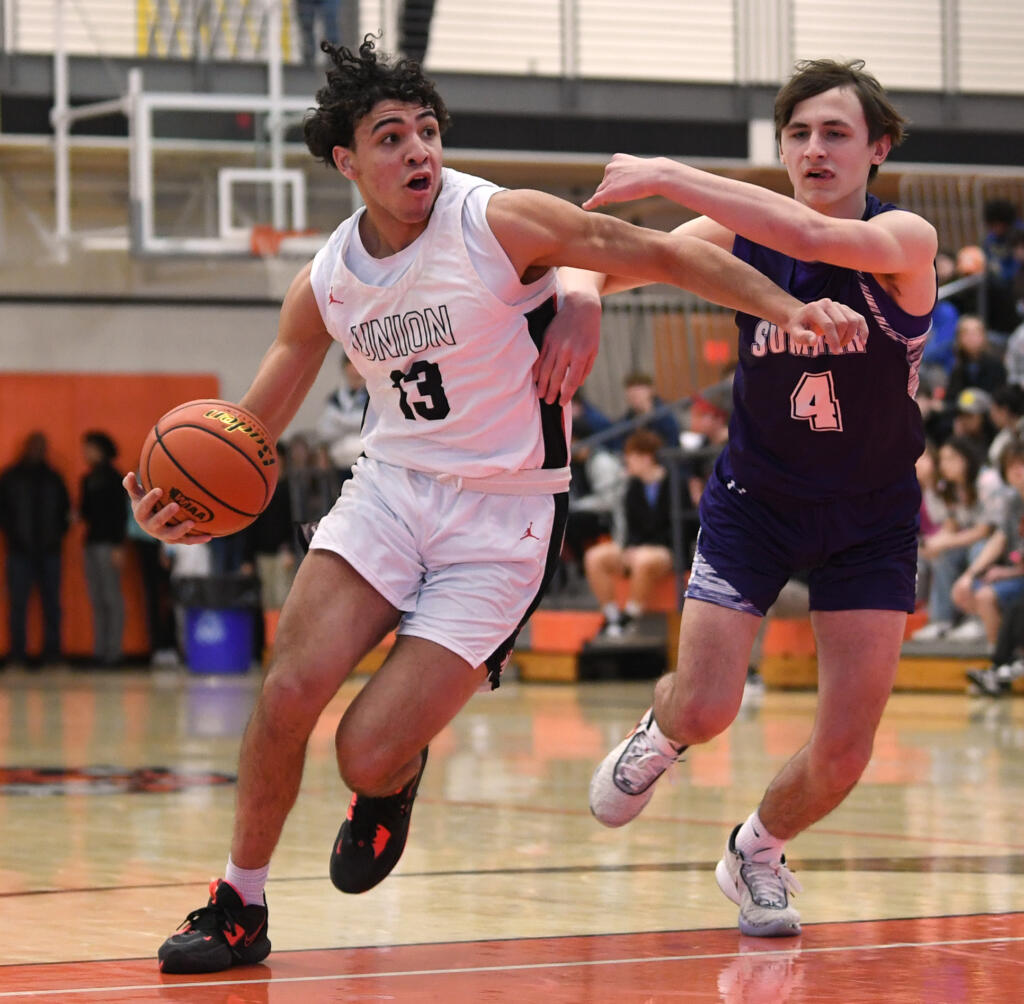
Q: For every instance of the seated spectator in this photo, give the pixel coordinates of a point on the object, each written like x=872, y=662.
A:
x=933, y=512
x=1014, y=356
x=965, y=525
x=646, y=554
x=593, y=419
x=935, y=413
x=270, y=550
x=1005, y=413
x=971, y=408
x=1001, y=225
x=341, y=421
x=595, y=496
x=976, y=365
x=994, y=578
x=939, y=349
x=641, y=400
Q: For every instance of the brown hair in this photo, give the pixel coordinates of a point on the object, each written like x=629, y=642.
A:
x=815, y=76
x=644, y=441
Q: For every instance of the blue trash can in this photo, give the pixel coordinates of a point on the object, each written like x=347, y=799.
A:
x=220, y=622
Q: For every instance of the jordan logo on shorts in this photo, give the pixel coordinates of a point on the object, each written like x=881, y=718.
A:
x=529, y=533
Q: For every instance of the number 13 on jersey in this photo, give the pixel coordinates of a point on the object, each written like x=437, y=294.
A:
x=425, y=379
x=814, y=400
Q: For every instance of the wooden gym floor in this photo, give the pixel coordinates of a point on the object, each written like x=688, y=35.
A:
x=508, y=890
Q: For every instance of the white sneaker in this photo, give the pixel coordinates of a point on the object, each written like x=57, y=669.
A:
x=761, y=890
x=970, y=630
x=932, y=631
x=624, y=780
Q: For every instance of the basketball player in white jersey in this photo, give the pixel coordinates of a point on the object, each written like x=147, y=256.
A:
x=439, y=291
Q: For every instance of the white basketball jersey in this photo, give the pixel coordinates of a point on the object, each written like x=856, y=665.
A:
x=448, y=365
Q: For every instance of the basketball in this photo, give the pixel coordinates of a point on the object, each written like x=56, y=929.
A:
x=216, y=460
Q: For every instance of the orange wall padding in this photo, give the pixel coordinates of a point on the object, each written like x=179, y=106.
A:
x=64, y=406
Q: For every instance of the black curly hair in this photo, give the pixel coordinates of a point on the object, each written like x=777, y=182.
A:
x=355, y=83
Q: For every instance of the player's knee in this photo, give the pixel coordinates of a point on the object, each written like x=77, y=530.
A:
x=366, y=769
x=696, y=721
x=287, y=703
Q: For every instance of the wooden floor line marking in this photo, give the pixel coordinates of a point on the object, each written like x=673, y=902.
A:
x=467, y=970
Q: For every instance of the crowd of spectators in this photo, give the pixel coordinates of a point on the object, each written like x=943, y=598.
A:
x=971, y=395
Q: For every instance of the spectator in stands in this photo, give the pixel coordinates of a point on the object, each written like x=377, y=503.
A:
x=310, y=12
x=1014, y=357
x=34, y=515
x=646, y=553
x=1001, y=226
x=585, y=411
x=270, y=549
x=965, y=524
x=931, y=399
x=1017, y=248
x=971, y=419
x=641, y=400
x=340, y=422
x=939, y=350
x=933, y=512
x=994, y=578
x=104, y=510
x=707, y=433
x=595, y=497
x=975, y=363
x=313, y=481
x=1005, y=413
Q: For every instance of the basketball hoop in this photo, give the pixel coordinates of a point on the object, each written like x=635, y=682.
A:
x=281, y=252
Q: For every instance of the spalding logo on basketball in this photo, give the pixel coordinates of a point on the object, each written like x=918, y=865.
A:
x=215, y=460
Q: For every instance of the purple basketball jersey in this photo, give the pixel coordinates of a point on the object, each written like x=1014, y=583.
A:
x=813, y=425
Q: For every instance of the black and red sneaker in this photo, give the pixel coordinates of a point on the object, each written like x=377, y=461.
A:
x=372, y=837
x=222, y=934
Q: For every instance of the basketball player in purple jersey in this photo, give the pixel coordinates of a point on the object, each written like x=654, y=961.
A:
x=440, y=291
x=818, y=474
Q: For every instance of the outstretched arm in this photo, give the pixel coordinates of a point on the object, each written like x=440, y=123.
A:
x=282, y=381
x=536, y=229
x=895, y=243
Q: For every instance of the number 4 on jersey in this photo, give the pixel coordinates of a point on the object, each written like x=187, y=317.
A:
x=814, y=400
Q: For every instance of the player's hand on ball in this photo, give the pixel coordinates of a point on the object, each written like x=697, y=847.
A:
x=154, y=521
x=834, y=322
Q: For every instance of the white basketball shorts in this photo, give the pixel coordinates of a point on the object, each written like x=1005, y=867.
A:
x=465, y=567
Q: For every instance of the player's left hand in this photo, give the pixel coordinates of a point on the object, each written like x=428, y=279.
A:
x=569, y=348
x=834, y=322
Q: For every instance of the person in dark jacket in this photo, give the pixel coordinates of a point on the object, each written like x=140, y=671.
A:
x=34, y=514
x=104, y=511
x=646, y=553
x=270, y=542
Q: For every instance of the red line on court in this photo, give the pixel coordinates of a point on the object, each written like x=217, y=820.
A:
x=948, y=959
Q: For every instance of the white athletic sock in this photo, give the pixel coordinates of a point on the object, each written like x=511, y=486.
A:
x=755, y=843
x=662, y=743
x=633, y=609
x=611, y=612
x=249, y=882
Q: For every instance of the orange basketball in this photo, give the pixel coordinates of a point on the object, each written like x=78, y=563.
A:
x=216, y=460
